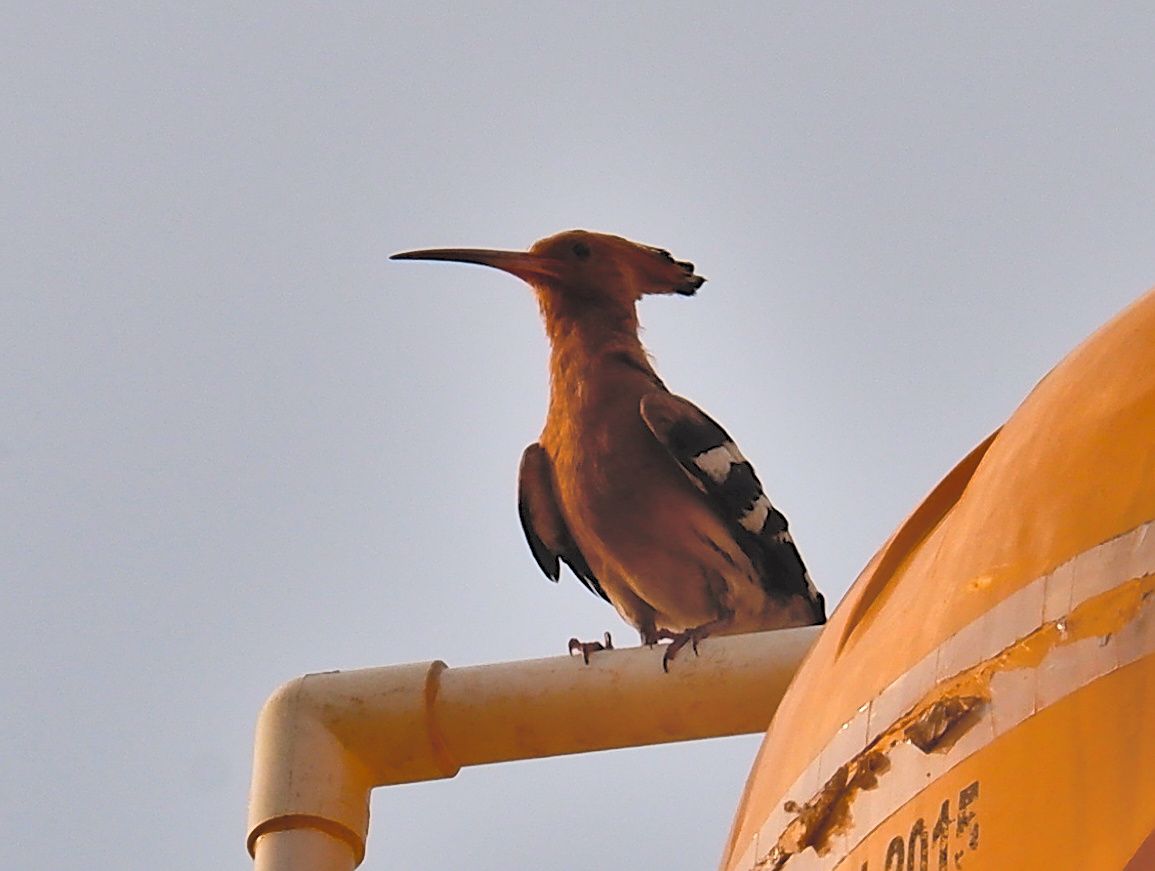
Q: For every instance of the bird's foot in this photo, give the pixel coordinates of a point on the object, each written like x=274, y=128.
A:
x=588, y=647
x=678, y=640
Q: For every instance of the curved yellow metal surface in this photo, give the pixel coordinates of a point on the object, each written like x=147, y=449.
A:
x=984, y=697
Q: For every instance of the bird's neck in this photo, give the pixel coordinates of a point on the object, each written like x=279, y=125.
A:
x=585, y=333
x=595, y=355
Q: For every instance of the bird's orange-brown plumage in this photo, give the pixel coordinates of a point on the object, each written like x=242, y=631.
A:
x=644, y=496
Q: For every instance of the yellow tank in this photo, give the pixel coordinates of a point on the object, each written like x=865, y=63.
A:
x=984, y=697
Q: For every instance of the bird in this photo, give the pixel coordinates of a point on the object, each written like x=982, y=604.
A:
x=639, y=492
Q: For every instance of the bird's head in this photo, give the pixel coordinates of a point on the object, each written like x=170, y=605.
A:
x=581, y=266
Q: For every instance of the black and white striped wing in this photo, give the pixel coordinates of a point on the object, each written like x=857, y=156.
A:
x=545, y=529
x=715, y=465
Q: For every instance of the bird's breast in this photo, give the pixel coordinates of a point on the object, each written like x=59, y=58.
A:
x=616, y=485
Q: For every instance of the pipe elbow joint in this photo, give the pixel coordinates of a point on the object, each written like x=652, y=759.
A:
x=324, y=741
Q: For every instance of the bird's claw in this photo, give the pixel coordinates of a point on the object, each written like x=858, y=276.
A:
x=678, y=640
x=588, y=647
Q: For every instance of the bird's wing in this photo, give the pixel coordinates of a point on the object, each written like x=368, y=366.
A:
x=714, y=464
x=541, y=519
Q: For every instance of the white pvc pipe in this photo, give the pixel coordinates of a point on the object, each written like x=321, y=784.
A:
x=325, y=740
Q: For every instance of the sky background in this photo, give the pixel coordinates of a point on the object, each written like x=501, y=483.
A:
x=237, y=444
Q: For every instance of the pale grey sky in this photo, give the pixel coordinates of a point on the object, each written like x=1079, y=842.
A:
x=238, y=444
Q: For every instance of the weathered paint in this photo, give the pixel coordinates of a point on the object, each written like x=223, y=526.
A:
x=981, y=703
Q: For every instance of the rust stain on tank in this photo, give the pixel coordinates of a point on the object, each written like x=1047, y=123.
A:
x=944, y=722
x=943, y=716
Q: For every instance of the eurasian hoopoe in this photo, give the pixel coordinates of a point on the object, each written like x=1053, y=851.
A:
x=643, y=496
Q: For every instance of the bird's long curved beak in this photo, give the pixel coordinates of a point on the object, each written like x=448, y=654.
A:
x=524, y=264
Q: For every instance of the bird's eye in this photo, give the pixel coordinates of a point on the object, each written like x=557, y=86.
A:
x=581, y=250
